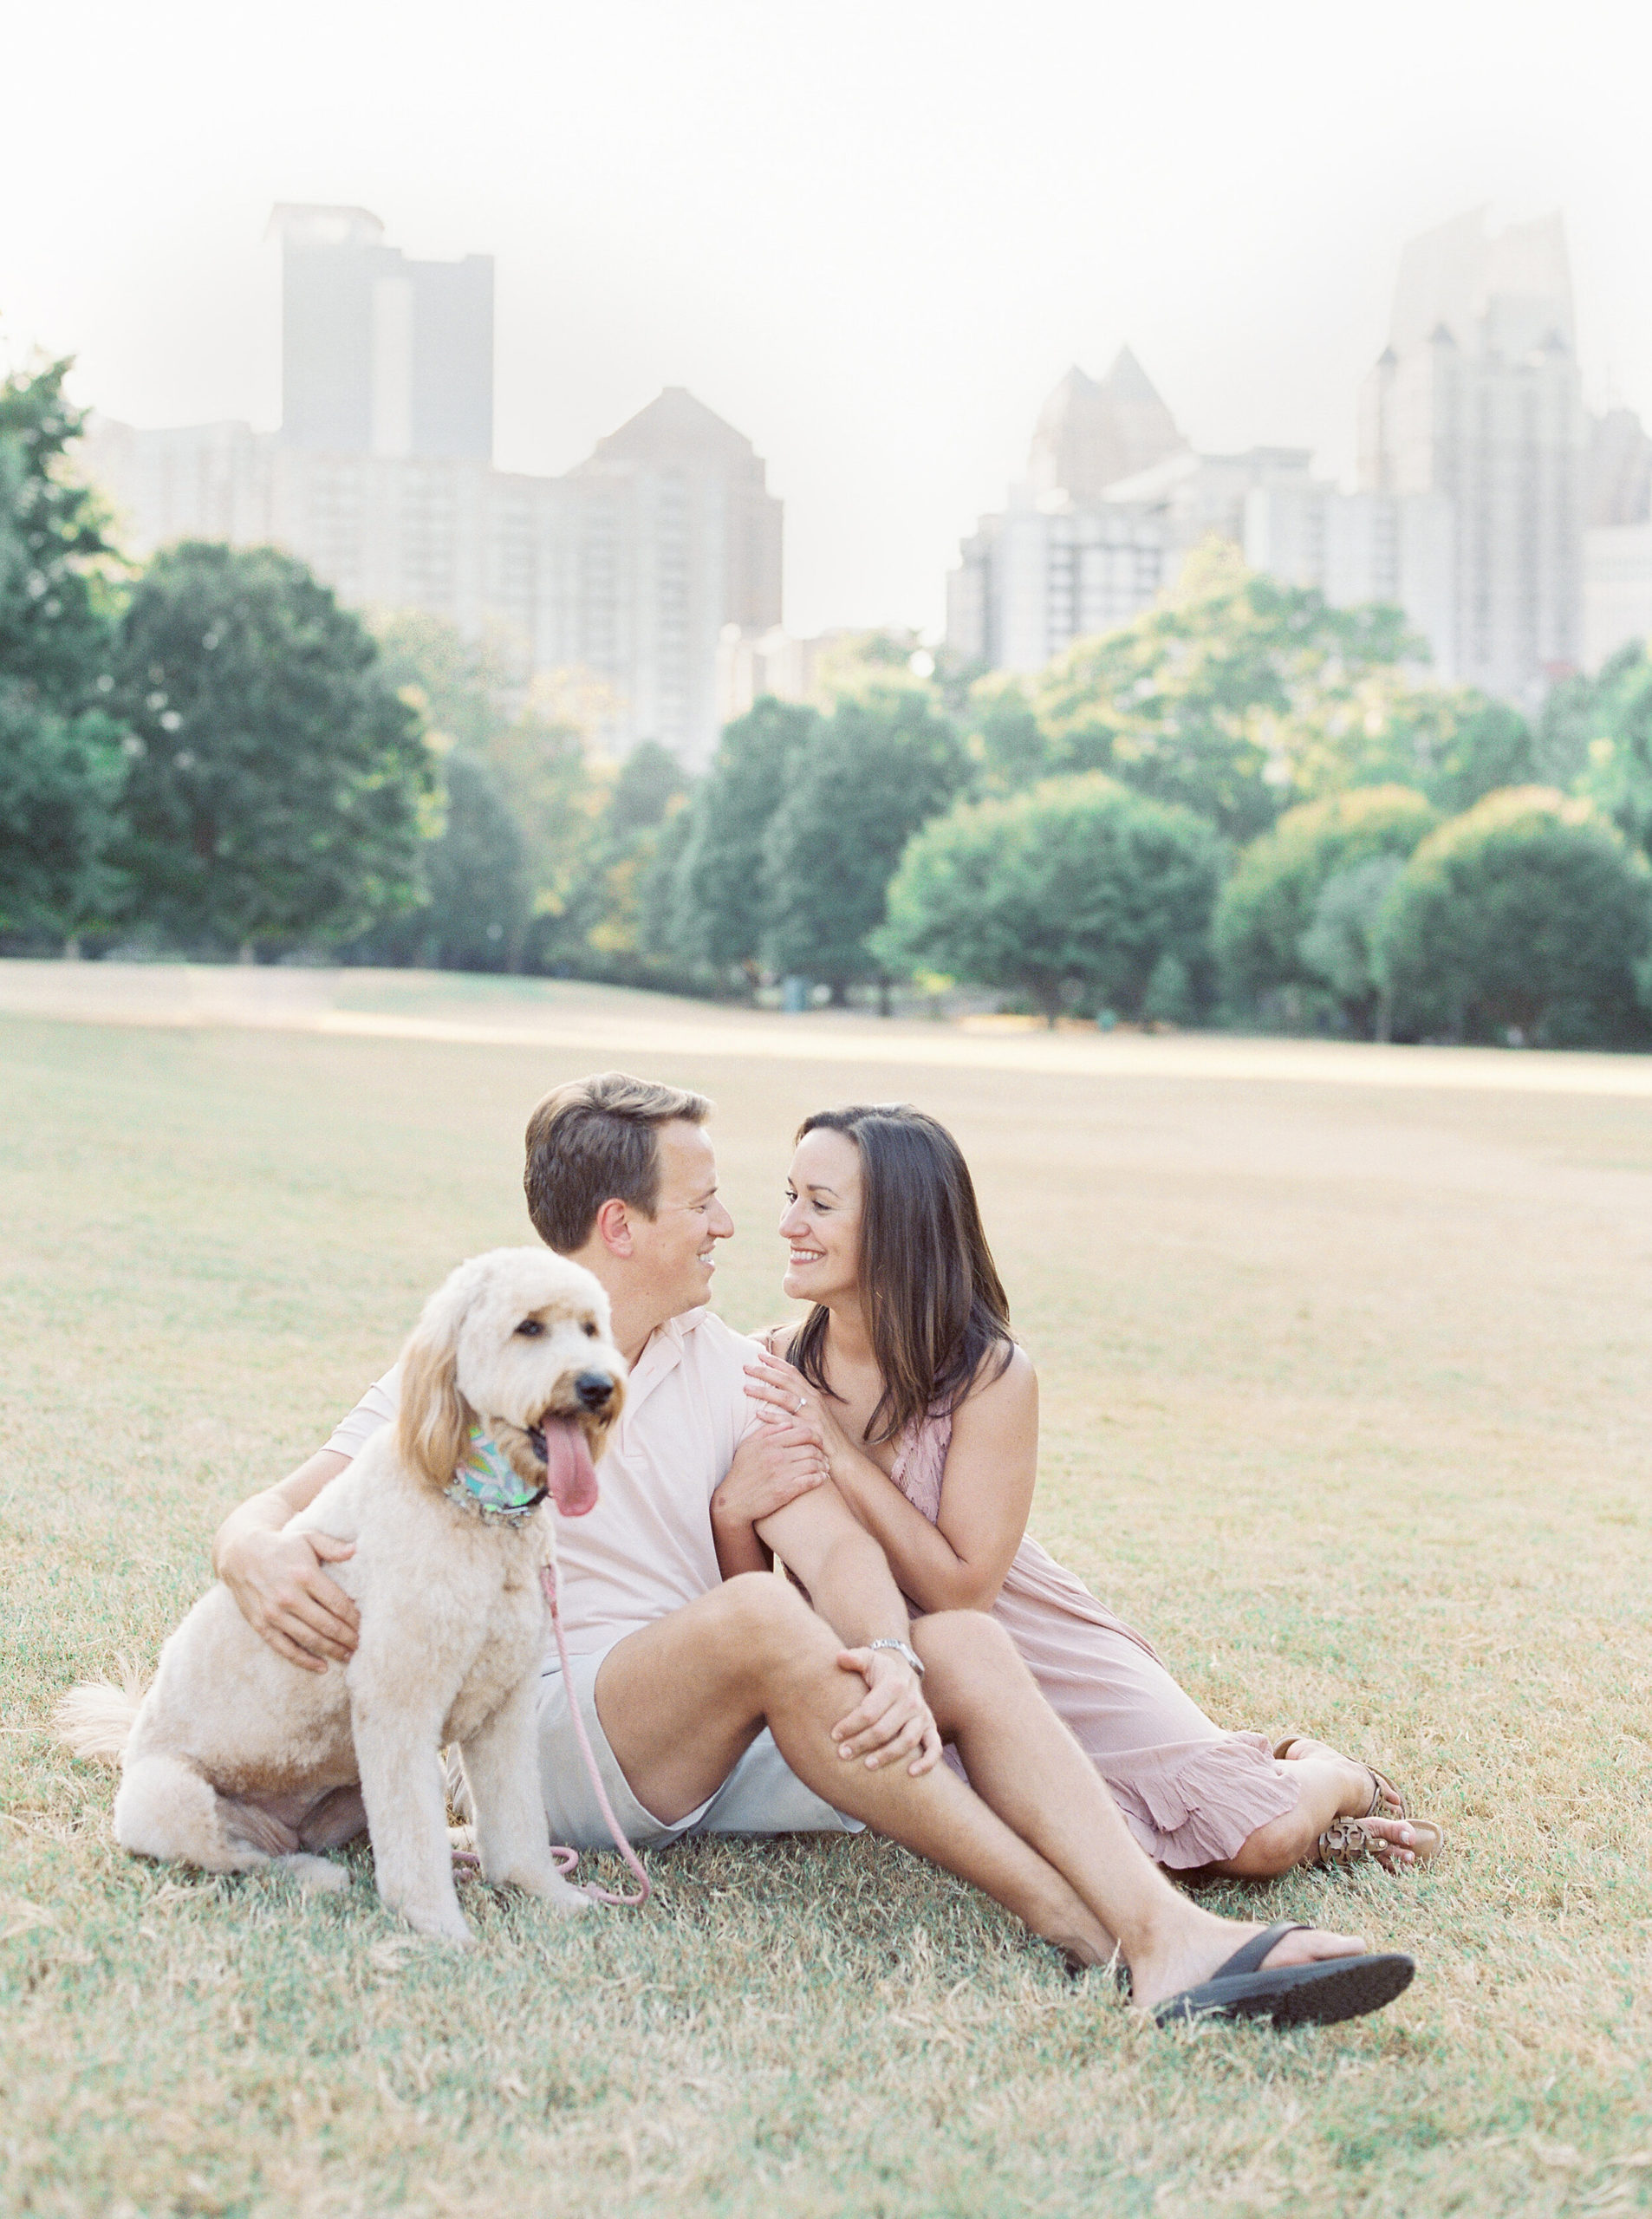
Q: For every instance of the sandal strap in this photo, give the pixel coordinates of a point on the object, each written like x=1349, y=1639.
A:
x=1346, y=1843
x=1248, y=1958
x=1386, y=1802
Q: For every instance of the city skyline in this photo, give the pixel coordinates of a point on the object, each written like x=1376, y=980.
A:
x=872, y=241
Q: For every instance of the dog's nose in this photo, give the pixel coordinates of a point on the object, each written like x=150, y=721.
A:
x=594, y=1388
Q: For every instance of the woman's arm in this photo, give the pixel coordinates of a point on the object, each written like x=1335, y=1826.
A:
x=958, y=1562
x=773, y=1465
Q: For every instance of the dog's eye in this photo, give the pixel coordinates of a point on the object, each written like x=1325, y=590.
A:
x=590, y=1329
x=531, y=1329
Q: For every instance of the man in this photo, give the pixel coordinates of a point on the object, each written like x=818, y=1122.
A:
x=736, y=1706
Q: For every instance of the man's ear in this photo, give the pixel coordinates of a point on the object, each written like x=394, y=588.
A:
x=613, y=1227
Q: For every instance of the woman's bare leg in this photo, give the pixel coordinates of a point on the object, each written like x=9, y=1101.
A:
x=1329, y=1786
x=680, y=1699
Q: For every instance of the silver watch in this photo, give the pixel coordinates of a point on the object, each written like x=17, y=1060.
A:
x=902, y=1649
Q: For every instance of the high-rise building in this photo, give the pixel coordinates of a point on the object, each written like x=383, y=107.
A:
x=1617, y=537
x=381, y=355
x=1477, y=398
x=1041, y=574
x=674, y=536
x=1085, y=545
x=630, y=567
x=1395, y=548
x=1092, y=431
x=1062, y=559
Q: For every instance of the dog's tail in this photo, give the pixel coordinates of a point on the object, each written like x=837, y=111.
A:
x=95, y=1720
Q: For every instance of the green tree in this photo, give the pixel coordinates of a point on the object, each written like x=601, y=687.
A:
x=1528, y=911
x=883, y=762
x=531, y=737
x=1211, y=697
x=277, y=782
x=1239, y=696
x=1580, y=710
x=476, y=874
x=1269, y=906
x=1451, y=744
x=1616, y=773
x=1078, y=886
x=604, y=924
x=1341, y=945
x=62, y=767
x=716, y=915
x=1003, y=735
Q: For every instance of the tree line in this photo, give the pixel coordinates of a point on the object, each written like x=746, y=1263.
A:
x=1243, y=806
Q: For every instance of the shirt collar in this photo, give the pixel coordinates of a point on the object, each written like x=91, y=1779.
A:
x=662, y=1352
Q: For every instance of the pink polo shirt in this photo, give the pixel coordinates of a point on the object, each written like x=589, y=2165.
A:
x=647, y=1548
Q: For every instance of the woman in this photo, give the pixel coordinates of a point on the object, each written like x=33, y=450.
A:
x=927, y=1412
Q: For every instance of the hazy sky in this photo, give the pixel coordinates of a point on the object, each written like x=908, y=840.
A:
x=872, y=236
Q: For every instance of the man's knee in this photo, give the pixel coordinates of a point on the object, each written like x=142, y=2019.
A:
x=756, y=1620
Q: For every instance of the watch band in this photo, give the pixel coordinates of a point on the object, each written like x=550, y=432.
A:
x=903, y=1648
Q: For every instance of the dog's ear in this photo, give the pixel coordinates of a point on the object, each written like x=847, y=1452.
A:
x=434, y=1419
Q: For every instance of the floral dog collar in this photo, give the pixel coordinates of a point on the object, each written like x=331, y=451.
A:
x=487, y=1481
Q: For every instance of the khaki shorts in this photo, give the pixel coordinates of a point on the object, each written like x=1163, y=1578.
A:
x=761, y=1795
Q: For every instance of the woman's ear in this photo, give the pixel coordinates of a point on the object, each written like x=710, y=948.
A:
x=433, y=1424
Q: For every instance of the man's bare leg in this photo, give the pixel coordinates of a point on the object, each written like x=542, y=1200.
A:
x=681, y=1700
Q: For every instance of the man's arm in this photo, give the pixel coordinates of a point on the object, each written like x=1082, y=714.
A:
x=277, y=1578
x=851, y=1586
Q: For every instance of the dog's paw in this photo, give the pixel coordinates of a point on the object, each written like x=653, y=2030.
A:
x=557, y=1894
x=449, y=1927
x=316, y=1876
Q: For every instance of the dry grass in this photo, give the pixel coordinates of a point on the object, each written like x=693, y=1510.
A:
x=1345, y=1400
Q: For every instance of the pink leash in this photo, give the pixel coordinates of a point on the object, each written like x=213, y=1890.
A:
x=559, y=1850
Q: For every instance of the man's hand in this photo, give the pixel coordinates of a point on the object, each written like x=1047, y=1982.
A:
x=892, y=1718
x=282, y=1592
x=771, y=1467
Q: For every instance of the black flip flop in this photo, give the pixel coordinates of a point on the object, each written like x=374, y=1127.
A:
x=1291, y=1996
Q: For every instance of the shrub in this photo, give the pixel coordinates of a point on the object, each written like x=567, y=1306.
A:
x=1529, y=910
x=1266, y=934
x=1077, y=886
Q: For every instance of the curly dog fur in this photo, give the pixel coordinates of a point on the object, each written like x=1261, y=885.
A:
x=236, y=1760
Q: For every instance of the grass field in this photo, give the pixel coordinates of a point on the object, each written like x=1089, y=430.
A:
x=1346, y=1402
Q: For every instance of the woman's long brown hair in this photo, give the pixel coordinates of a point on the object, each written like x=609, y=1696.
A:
x=935, y=1307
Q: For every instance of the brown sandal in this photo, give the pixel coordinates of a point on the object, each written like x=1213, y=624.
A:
x=1349, y=1841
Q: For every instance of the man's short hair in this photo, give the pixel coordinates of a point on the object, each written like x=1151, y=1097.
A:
x=596, y=1140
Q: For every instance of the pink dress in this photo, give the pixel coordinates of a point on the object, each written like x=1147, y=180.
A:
x=1189, y=1792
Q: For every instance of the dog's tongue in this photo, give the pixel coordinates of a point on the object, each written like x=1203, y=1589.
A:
x=570, y=1472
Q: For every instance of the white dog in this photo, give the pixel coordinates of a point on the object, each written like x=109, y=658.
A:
x=236, y=1758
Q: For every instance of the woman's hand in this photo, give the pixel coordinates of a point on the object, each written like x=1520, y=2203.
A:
x=281, y=1591
x=783, y=1396
x=892, y=1718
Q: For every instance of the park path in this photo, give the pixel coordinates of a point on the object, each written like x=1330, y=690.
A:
x=520, y=1012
